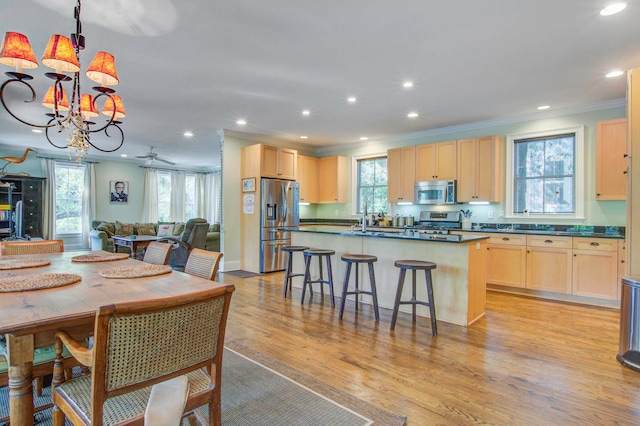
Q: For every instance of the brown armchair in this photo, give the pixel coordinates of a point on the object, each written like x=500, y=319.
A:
x=194, y=236
x=139, y=344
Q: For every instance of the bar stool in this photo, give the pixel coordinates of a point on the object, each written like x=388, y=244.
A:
x=320, y=253
x=288, y=276
x=359, y=259
x=415, y=265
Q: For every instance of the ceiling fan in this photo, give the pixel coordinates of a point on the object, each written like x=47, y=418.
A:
x=151, y=156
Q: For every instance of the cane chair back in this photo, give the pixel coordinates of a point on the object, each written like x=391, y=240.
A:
x=139, y=344
x=203, y=263
x=157, y=253
x=31, y=247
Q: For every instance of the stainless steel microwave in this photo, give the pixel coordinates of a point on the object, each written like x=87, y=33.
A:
x=435, y=192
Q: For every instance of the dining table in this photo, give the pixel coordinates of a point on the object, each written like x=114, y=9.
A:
x=30, y=318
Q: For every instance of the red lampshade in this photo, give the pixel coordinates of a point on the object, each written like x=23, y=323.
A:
x=108, y=107
x=17, y=52
x=48, y=101
x=87, y=108
x=60, y=55
x=102, y=69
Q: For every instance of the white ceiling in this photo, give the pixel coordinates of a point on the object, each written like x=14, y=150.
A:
x=201, y=65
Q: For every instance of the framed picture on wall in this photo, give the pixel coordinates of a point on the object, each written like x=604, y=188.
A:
x=248, y=185
x=119, y=191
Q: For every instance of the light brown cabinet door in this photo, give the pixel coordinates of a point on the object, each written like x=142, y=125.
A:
x=278, y=163
x=332, y=181
x=269, y=161
x=436, y=161
x=549, y=269
x=489, y=169
x=308, y=178
x=287, y=162
x=595, y=274
x=466, y=190
x=426, y=162
x=611, y=162
x=506, y=265
x=401, y=174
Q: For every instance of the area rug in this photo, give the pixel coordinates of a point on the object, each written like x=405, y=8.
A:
x=240, y=273
x=256, y=392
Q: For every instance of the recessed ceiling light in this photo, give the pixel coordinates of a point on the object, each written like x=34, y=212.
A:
x=306, y=112
x=364, y=138
x=351, y=99
x=188, y=134
x=36, y=130
x=412, y=115
x=614, y=74
x=241, y=122
x=304, y=137
x=123, y=155
x=407, y=84
x=542, y=107
x=612, y=9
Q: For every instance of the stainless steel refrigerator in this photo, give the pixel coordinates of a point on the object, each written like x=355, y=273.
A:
x=279, y=213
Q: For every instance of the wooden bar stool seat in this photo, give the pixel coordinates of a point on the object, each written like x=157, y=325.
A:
x=320, y=253
x=413, y=266
x=289, y=274
x=358, y=259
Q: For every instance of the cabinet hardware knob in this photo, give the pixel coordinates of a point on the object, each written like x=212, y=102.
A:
x=595, y=244
x=622, y=261
x=625, y=156
x=575, y=255
x=505, y=239
x=548, y=241
x=625, y=172
x=597, y=195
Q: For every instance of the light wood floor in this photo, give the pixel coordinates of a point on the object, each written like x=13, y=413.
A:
x=527, y=361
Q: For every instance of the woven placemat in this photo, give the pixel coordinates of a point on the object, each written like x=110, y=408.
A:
x=101, y=256
x=22, y=263
x=136, y=271
x=37, y=282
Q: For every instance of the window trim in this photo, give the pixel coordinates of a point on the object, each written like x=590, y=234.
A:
x=579, y=174
x=70, y=234
x=354, y=177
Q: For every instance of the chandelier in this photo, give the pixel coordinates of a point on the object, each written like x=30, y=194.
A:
x=63, y=55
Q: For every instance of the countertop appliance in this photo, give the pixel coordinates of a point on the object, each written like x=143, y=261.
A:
x=435, y=192
x=278, y=213
x=437, y=222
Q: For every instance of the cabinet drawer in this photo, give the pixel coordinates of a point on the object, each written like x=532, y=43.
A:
x=549, y=241
x=600, y=244
x=508, y=239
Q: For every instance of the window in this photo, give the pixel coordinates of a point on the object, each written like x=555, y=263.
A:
x=190, y=195
x=545, y=174
x=164, y=196
x=69, y=188
x=371, y=184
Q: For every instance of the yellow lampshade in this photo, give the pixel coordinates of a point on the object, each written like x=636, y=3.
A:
x=60, y=55
x=87, y=109
x=48, y=101
x=102, y=69
x=17, y=52
x=108, y=107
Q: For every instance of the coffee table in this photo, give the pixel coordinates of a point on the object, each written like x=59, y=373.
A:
x=132, y=243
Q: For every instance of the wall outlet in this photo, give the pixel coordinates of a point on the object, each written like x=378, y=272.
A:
x=490, y=214
x=337, y=212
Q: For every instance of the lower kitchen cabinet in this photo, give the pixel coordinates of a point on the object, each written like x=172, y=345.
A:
x=507, y=260
x=549, y=269
x=595, y=268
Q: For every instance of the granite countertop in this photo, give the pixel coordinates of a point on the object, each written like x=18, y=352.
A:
x=617, y=232
x=388, y=232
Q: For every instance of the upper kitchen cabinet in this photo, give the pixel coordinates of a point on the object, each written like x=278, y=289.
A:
x=611, y=159
x=480, y=169
x=270, y=161
x=308, y=178
x=436, y=161
x=332, y=180
x=401, y=174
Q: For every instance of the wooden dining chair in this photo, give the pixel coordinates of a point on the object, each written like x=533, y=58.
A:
x=139, y=344
x=31, y=247
x=157, y=253
x=203, y=263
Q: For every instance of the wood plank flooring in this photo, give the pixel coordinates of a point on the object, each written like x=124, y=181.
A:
x=528, y=361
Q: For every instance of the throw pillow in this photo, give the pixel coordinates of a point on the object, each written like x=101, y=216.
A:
x=214, y=227
x=145, y=229
x=165, y=230
x=123, y=229
x=107, y=227
x=178, y=228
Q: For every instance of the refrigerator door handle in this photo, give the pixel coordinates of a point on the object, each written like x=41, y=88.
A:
x=283, y=201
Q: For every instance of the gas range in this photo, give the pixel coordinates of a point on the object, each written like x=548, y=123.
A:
x=436, y=222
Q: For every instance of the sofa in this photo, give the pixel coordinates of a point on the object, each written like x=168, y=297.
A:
x=102, y=232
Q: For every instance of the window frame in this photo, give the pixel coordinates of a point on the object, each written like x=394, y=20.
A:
x=69, y=165
x=356, y=210
x=578, y=176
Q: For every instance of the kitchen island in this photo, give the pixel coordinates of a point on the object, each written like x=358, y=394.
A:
x=458, y=281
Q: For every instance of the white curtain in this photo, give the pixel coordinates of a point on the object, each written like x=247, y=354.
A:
x=178, y=198
x=88, y=202
x=206, y=197
x=150, y=196
x=216, y=196
x=49, y=208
